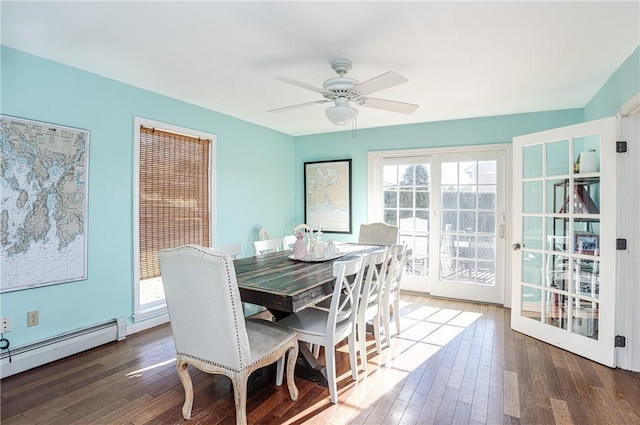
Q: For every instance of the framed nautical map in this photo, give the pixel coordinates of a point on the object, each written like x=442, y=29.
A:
x=43, y=208
x=327, y=195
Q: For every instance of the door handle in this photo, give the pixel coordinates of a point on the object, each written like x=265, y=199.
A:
x=516, y=246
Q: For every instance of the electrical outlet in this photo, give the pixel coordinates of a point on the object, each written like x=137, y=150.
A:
x=33, y=318
x=5, y=325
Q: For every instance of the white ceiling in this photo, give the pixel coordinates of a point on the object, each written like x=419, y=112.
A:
x=462, y=59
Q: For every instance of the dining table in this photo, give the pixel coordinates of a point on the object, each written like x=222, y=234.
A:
x=285, y=285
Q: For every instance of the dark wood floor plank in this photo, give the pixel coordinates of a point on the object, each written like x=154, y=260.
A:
x=495, y=406
x=432, y=404
x=561, y=412
x=447, y=406
x=582, y=390
x=453, y=363
x=462, y=413
x=610, y=379
x=480, y=402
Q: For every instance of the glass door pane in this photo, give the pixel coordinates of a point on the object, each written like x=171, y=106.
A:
x=468, y=225
x=407, y=201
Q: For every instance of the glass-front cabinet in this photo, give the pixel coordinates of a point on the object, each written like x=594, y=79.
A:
x=561, y=234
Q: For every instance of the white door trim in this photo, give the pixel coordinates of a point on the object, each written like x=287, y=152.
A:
x=628, y=297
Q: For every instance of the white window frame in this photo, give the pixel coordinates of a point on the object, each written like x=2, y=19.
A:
x=156, y=313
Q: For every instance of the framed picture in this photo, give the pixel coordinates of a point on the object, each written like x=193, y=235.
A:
x=327, y=195
x=586, y=243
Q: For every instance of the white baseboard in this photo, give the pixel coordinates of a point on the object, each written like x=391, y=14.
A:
x=61, y=346
x=147, y=324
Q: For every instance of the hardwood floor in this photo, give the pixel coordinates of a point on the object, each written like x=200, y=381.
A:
x=453, y=363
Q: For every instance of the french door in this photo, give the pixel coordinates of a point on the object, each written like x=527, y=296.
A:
x=470, y=215
x=450, y=211
x=564, y=234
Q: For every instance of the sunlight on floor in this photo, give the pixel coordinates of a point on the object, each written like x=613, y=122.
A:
x=425, y=331
x=138, y=373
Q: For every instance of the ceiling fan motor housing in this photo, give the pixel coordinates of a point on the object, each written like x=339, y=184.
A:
x=340, y=87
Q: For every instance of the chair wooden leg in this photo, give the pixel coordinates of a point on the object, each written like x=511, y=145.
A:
x=330, y=360
x=239, y=381
x=396, y=314
x=280, y=370
x=353, y=355
x=185, y=378
x=387, y=327
x=292, y=356
x=291, y=364
x=376, y=333
x=362, y=340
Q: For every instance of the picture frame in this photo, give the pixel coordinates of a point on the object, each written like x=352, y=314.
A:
x=586, y=243
x=327, y=195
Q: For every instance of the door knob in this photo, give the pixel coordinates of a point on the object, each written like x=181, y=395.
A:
x=516, y=246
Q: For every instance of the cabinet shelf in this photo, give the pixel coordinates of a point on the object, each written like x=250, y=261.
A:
x=583, y=202
x=577, y=197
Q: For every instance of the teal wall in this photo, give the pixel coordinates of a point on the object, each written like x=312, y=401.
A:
x=39, y=89
x=474, y=131
x=621, y=86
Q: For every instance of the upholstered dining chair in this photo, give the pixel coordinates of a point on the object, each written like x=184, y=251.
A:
x=233, y=250
x=209, y=329
x=391, y=296
x=378, y=234
x=328, y=328
x=267, y=246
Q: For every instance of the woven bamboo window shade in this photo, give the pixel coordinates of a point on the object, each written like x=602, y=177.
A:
x=174, y=194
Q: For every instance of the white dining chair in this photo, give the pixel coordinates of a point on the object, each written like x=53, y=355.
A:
x=209, y=329
x=378, y=234
x=263, y=234
x=391, y=296
x=370, y=304
x=232, y=250
x=288, y=241
x=328, y=328
x=370, y=301
x=266, y=246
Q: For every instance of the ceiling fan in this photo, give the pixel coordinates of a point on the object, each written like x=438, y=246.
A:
x=343, y=90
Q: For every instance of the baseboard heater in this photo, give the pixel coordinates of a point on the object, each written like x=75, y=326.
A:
x=58, y=347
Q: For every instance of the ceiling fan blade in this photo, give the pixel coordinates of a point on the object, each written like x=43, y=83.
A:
x=300, y=105
x=301, y=84
x=381, y=82
x=388, y=105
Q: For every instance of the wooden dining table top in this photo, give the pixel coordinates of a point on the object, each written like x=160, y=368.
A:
x=282, y=284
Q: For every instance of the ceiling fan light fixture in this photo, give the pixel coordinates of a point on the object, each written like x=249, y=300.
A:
x=341, y=115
